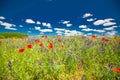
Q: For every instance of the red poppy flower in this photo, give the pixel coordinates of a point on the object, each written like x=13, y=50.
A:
x=93, y=37
x=29, y=46
x=46, y=36
x=50, y=46
x=36, y=40
x=115, y=37
x=23, y=38
x=62, y=46
x=105, y=39
x=116, y=69
x=21, y=50
x=59, y=40
x=41, y=44
x=0, y=42
x=42, y=36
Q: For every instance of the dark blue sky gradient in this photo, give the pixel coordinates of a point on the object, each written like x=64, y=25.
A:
x=56, y=10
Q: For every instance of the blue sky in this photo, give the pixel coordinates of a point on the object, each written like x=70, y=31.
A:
x=60, y=17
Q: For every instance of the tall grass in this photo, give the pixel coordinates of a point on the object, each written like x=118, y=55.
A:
x=80, y=59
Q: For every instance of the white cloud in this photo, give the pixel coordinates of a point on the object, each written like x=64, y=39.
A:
x=114, y=26
x=87, y=29
x=30, y=21
x=109, y=24
x=29, y=32
x=67, y=31
x=10, y=28
x=44, y=23
x=99, y=22
x=66, y=22
x=100, y=31
x=87, y=15
x=110, y=28
x=83, y=26
x=47, y=25
x=91, y=19
x=112, y=33
x=95, y=30
x=72, y=33
x=1, y=17
x=108, y=19
x=20, y=25
x=1, y=22
x=43, y=30
x=68, y=25
x=8, y=25
x=105, y=22
x=59, y=29
x=46, y=30
x=37, y=28
x=59, y=32
x=38, y=22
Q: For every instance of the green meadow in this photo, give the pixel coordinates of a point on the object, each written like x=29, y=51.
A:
x=69, y=58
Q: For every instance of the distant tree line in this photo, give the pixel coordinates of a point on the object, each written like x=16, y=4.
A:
x=12, y=35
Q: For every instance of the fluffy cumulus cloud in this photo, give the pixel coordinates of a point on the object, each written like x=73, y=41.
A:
x=87, y=29
x=95, y=30
x=83, y=26
x=87, y=15
x=37, y=28
x=47, y=25
x=108, y=19
x=72, y=33
x=109, y=24
x=30, y=21
x=99, y=22
x=65, y=32
x=1, y=17
x=105, y=22
x=43, y=30
x=110, y=28
x=38, y=22
x=91, y=19
x=46, y=30
x=59, y=29
x=67, y=23
x=98, y=30
x=111, y=33
x=59, y=33
x=8, y=26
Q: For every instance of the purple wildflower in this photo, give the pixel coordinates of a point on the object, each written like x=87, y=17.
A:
x=9, y=63
x=40, y=63
x=51, y=61
x=83, y=77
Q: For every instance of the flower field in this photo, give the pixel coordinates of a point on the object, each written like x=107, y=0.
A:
x=60, y=58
